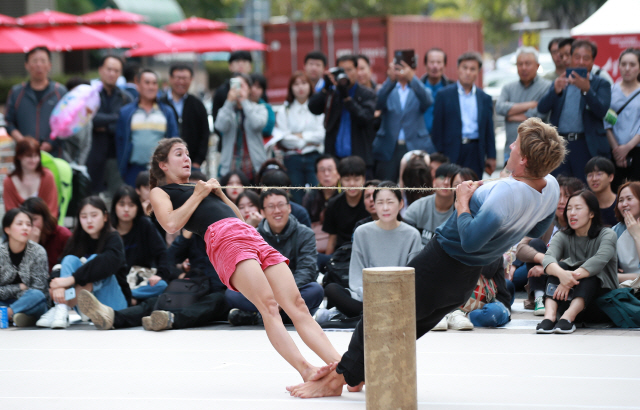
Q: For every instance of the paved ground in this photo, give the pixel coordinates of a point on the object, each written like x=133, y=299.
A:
x=220, y=367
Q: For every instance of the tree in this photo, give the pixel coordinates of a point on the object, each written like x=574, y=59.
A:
x=76, y=7
x=211, y=9
x=567, y=13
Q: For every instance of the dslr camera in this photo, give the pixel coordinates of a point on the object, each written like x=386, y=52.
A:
x=340, y=76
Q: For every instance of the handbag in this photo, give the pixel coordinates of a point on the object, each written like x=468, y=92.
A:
x=612, y=116
x=485, y=292
x=621, y=306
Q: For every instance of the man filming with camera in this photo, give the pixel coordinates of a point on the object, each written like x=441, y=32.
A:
x=348, y=110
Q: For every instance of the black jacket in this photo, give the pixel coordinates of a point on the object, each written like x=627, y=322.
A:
x=361, y=107
x=444, y=80
x=194, y=126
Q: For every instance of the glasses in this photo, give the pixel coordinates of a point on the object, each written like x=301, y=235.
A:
x=281, y=207
x=595, y=175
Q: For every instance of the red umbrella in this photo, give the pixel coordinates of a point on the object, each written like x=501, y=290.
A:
x=150, y=40
x=206, y=41
x=7, y=21
x=195, y=24
x=48, y=18
x=112, y=16
x=17, y=40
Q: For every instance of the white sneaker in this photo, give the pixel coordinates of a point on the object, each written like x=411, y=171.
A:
x=442, y=325
x=458, y=320
x=61, y=317
x=324, y=315
x=46, y=319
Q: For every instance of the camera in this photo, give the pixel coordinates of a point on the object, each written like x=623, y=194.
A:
x=340, y=76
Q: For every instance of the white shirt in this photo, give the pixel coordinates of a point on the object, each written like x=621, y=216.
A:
x=403, y=93
x=296, y=118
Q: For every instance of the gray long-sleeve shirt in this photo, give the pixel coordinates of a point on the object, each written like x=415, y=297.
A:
x=376, y=247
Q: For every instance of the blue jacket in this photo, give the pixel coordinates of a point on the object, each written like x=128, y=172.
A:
x=394, y=119
x=593, y=106
x=447, y=124
x=123, y=132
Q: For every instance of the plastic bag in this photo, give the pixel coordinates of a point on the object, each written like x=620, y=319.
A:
x=75, y=110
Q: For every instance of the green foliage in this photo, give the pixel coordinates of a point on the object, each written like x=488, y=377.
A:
x=76, y=7
x=325, y=9
x=218, y=73
x=567, y=13
x=211, y=9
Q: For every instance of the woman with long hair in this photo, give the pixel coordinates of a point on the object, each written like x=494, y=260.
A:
x=248, y=203
x=45, y=229
x=628, y=231
x=243, y=260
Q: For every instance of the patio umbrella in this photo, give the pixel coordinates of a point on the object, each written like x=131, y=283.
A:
x=7, y=21
x=65, y=33
x=18, y=40
x=207, y=41
x=111, y=16
x=194, y=23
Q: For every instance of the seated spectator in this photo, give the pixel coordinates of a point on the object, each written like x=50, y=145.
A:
x=248, y=203
x=385, y=242
x=417, y=174
x=580, y=263
x=76, y=148
x=418, y=153
x=600, y=174
x=258, y=95
x=45, y=230
x=464, y=174
x=279, y=178
x=628, y=231
x=29, y=178
x=346, y=209
x=281, y=229
x=23, y=271
x=235, y=179
x=315, y=200
x=241, y=122
x=143, y=245
x=369, y=203
x=301, y=134
x=427, y=213
x=269, y=165
x=94, y=255
x=437, y=159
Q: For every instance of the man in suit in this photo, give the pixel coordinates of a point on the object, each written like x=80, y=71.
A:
x=463, y=120
x=577, y=106
x=403, y=100
x=191, y=116
x=348, y=109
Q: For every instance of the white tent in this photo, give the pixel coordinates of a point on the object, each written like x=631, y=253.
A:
x=613, y=18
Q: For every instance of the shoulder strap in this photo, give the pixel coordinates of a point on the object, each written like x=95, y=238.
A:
x=627, y=103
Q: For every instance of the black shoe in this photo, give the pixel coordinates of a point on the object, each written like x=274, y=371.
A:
x=545, y=327
x=239, y=317
x=564, y=326
x=340, y=321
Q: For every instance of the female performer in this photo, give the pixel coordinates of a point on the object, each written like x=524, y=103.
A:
x=243, y=260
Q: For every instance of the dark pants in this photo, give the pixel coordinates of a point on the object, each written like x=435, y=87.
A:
x=589, y=289
x=442, y=285
x=470, y=158
x=630, y=173
x=301, y=170
x=390, y=170
x=575, y=161
x=340, y=298
x=210, y=308
x=101, y=149
x=540, y=282
x=312, y=293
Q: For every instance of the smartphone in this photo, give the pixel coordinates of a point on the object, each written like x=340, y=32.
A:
x=234, y=83
x=551, y=289
x=582, y=72
x=408, y=56
x=70, y=294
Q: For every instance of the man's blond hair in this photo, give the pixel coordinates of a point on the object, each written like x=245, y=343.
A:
x=542, y=146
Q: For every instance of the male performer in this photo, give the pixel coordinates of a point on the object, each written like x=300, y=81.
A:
x=489, y=219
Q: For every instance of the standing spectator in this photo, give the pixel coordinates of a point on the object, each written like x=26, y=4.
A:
x=315, y=201
x=348, y=110
x=301, y=134
x=45, y=229
x=577, y=105
x=519, y=99
x=315, y=63
x=103, y=163
x=190, y=113
x=296, y=242
x=560, y=50
x=346, y=209
x=258, y=95
x=463, y=120
x=29, y=104
x=239, y=62
x=365, y=78
x=403, y=101
x=241, y=122
x=600, y=174
x=130, y=73
x=624, y=136
x=435, y=60
x=77, y=147
x=29, y=178
x=141, y=125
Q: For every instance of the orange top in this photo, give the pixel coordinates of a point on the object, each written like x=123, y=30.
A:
x=47, y=192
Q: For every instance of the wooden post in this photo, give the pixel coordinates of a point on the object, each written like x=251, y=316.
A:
x=390, y=338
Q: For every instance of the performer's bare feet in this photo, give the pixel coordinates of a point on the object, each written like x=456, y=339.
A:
x=356, y=388
x=329, y=385
x=321, y=372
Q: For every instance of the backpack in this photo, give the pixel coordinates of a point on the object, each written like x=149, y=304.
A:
x=337, y=269
x=182, y=293
x=622, y=307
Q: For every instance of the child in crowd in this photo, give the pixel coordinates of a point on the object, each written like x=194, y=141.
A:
x=45, y=230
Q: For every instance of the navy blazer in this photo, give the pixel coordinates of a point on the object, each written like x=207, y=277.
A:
x=447, y=124
x=593, y=106
x=394, y=118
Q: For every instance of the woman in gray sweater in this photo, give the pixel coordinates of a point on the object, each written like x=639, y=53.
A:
x=580, y=263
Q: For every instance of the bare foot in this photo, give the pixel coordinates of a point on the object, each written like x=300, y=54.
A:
x=330, y=385
x=356, y=388
x=321, y=372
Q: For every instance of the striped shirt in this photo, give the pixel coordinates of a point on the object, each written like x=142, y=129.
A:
x=146, y=130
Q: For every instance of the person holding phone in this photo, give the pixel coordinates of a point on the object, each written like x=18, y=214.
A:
x=403, y=100
x=578, y=102
x=581, y=265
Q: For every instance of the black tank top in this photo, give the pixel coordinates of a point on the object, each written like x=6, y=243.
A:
x=212, y=209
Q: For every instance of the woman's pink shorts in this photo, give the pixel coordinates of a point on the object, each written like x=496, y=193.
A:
x=231, y=241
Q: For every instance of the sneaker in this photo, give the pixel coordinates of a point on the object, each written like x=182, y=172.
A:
x=61, y=317
x=101, y=315
x=239, y=317
x=161, y=320
x=564, y=326
x=146, y=323
x=458, y=320
x=341, y=321
x=23, y=320
x=545, y=327
x=46, y=319
x=538, y=310
x=324, y=315
x=442, y=325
